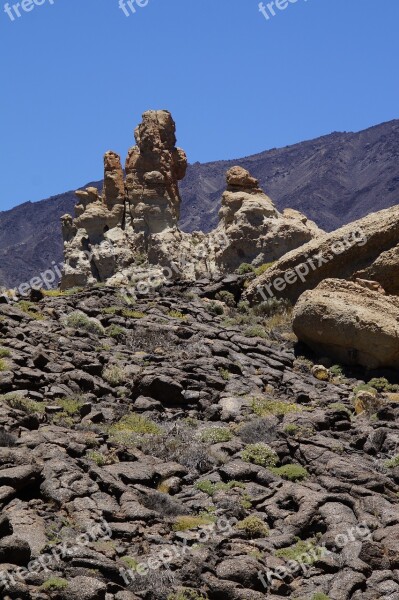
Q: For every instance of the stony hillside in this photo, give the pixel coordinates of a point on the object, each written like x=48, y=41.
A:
x=334, y=180
x=178, y=449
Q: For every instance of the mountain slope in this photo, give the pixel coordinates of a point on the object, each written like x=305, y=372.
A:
x=333, y=179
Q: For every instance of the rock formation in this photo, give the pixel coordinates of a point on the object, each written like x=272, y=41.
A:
x=138, y=219
x=347, y=252
x=349, y=323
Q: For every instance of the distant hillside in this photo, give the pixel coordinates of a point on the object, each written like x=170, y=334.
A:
x=334, y=180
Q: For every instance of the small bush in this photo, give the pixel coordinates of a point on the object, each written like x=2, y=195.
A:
x=245, y=268
x=303, y=551
x=263, y=268
x=78, y=320
x=256, y=331
x=291, y=472
x=260, y=454
x=214, y=308
x=226, y=297
x=381, y=384
x=336, y=370
x=130, y=425
x=132, y=314
x=320, y=596
x=54, y=583
x=271, y=306
x=30, y=309
x=18, y=402
x=3, y=365
x=114, y=375
x=254, y=527
x=187, y=522
x=243, y=307
x=216, y=435
x=115, y=331
x=291, y=429
x=4, y=353
x=176, y=314
x=210, y=488
x=224, y=374
x=392, y=463
x=268, y=406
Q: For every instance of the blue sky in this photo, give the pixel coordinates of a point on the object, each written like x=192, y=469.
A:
x=78, y=74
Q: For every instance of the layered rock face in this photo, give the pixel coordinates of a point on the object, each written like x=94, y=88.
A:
x=135, y=219
x=347, y=252
x=351, y=324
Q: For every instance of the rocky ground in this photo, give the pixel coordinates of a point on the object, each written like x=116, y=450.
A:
x=179, y=448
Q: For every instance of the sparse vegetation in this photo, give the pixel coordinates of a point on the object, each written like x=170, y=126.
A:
x=305, y=551
x=392, y=463
x=214, y=308
x=115, y=331
x=254, y=527
x=187, y=522
x=4, y=353
x=19, y=402
x=132, y=314
x=114, y=375
x=216, y=435
x=30, y=309
x=131, y=425
x=54, y=584
x=210, y=488
x=224, y=374
x=263, y=268
x=260, y=454
x=78, y=320
x=188, y=594
x=291, y=472
x=263, y=406
x=245, y=268
x=226, y=297
x=3, y=365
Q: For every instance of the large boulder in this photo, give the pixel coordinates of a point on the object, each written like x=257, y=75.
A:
x=349, y=323
x=344, y=253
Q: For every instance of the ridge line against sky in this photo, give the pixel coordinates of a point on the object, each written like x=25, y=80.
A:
x=78, y=76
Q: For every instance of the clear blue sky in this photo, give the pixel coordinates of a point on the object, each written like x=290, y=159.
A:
x=78, y=74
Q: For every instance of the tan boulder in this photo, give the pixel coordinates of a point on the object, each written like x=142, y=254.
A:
x=342, y=253
x=349, y=323
x=384, y=270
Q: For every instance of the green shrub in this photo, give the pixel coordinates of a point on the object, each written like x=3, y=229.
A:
x=256, y=331
x=304, y=551
x=214, y=308
x=132, y=314
x=225, y=374
x=243, y=307
x=115, y=331
x=187, y=522
x=254, y=527
x=291, y=472
x=210, y=488
x=176, y=314
x=226, y=297
x=216, y=435
x=392, y=463
x=260, y=454
x=114, y=375
x=78, y=320
x=132, y=425
x=30, y=309
x=291, y=429
x=4, y=353
x=18, y=402
x=263, y=268
x=267, y=406
x=3, y=365
x=271, y=306
x=336, y=370
x=245, y=268
x=54, y=583
x=320, y=596
x=381, y=384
